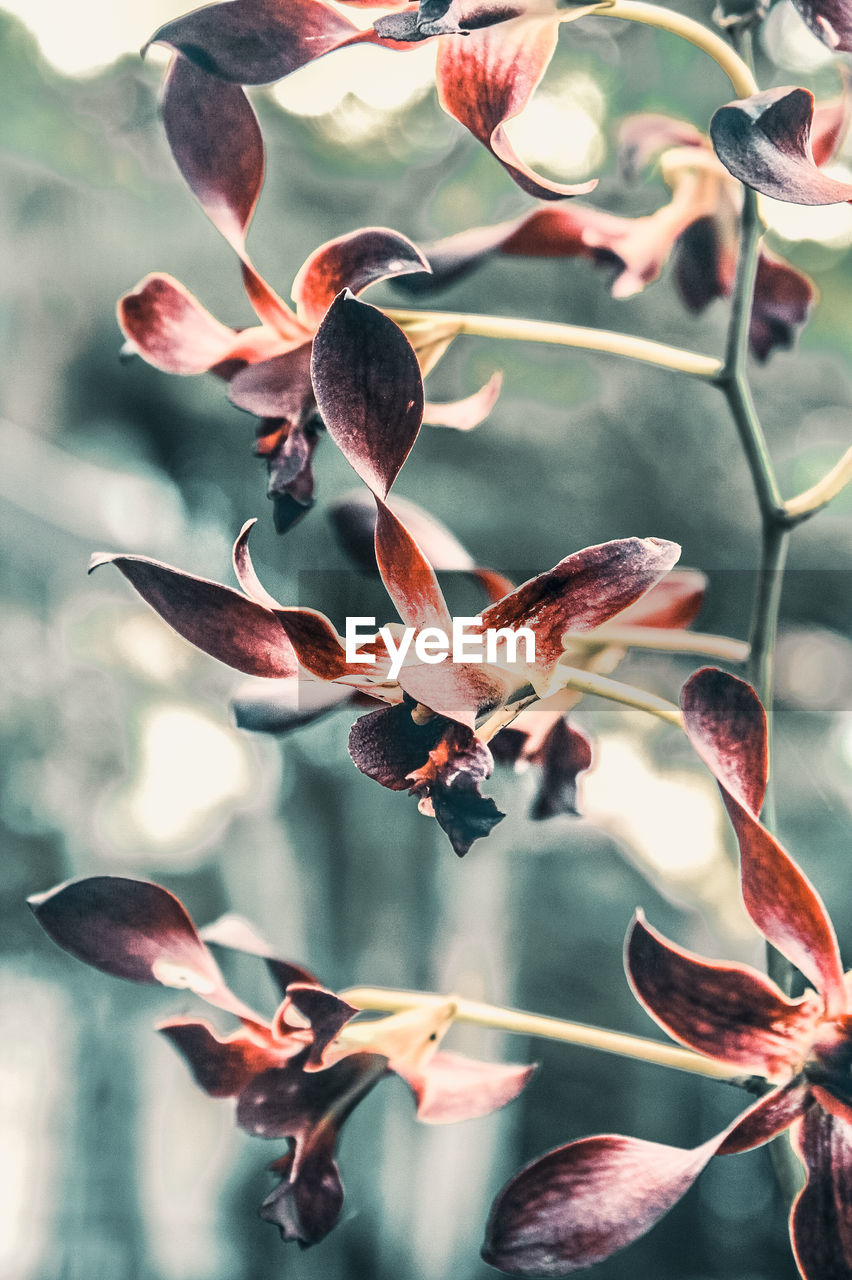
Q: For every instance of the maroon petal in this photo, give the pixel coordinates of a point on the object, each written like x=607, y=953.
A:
x=463, y=415
x=726, y=724
x=642, y=137
x=448, y=785
x=726, y=1011
x=830, y=125
x=452, y=1087
x=369, y=390
x=255, y=41
x=307, y=1202
x=488, y=77
x=783, y=298
x=288, y=1101
x=290, y=468
x=582, y=591
x=674, y=601
x=236, y=934
x=387, y=745
x=170, y=329
x=765, y=141
x=276, y=388
x=217, y=145
x=319, y=648
x=829, y=20
x=767, y=1118
x=352, y=262
x=281, y=705
x=221, y=622
x=135, y=930
x=564, y=753
x=408, y=575
x=220, y=1067
x=821, y=1222
x=326, y=1013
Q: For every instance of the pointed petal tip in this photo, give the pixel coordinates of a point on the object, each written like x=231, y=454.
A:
x=99, y=558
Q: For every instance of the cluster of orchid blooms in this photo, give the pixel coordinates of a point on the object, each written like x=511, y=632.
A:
x=339, y=365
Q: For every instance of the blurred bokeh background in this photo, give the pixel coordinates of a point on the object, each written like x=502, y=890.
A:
x=118, y=751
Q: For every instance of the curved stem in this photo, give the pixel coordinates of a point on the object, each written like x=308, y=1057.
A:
x=820, y=494
x=664, y=640
x=532, y=1024
x=565, y=677
x=566, y=335
x=650, y=15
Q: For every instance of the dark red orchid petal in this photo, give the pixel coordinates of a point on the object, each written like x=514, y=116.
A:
x=464, y=415
x=726, y=725
x=307, y=1202
x=244, y=569
x=830, y=125
x=675, y=601
x=221, y=622
x=276, y=388
x=765, y=141
x=830, y=21
x=767, y=1118
x=255, y=41
x=581, y=1203
x=352, y=262
x=641, y=139
x=407, y=574
x=318, y=647
x=564, y=753
x=488, y=77
x=449, y=783
x=821, y=1222
x=582, y=591
x=290, y=467
x=704, y=265
x=220, y=1067
x=452, y=1087
x=169, y=328
x=289, y=1102
x=236, y=934
x=279, y=706
x=368, y=388
x=326, y=1013
x=387, y=745
x=783, y=298
x=135, y=930
x=726, y=1011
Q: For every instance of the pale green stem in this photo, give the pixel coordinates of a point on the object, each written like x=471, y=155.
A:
x=565, y=677
x=664, y=640
x=650, y=15
x=565, y=335
x=533, y=1024
x=819, y=495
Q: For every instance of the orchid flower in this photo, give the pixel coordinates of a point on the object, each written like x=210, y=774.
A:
x=699, y=226
x=295, y=1076
x=368, y=388
x=582, y=1202
x=490, y=56
x=216, y=141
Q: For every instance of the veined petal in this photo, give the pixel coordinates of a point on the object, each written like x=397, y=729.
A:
x=452, y=1087
x=821, y=1222
x=255, y=41
x=215, y=139
x=831, y=22
x=488, y=77
x=352, y=262
x=278, y=387
x=318, y=647
x=582, y=591
x=765, y=141
x=222, y=1067
x=830, y=124
x=221, y=622
x=135, y=930
x=726, y=725
x=170, y=329
x=726, y=1011
x=674, y=601
x=453, y=17
x=463, y=415
x=408, y=575
x=368, y=388
x=387, y=745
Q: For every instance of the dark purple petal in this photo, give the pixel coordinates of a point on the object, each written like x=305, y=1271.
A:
x=783, y=298
x=726, y=724
x=279, y=706
x=276, y=388
x=765, y=141
x=221, y=622
x=387, y=745
x=135, y=930
x=463, y=415
x=831, y=22
x=288, y=1101
x=582, y=591
x=307, y=1202
x=767, y=1118
x=255, y=41
x=704, y=263
x=564, y=753
x=726, y=1011
x=407, y=574
x=369, y=390
x=236, y=934
x=452, y=1087
x=821, y=1222
x=290, y=468
x=448, y=786
x=352, y=262
x=448, y=17
x=222, y=1067
x=487, y=78
x=326, y=1013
